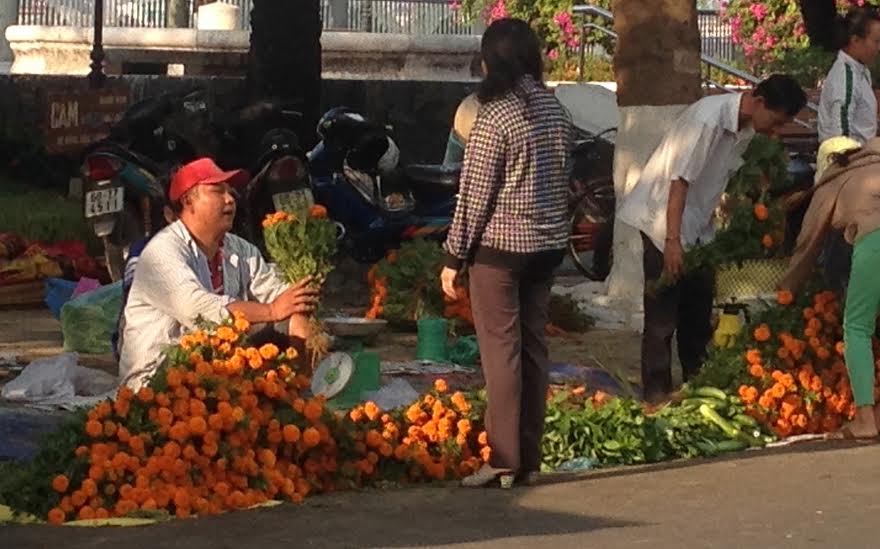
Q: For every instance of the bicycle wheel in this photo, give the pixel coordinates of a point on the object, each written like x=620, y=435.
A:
x=592, y=228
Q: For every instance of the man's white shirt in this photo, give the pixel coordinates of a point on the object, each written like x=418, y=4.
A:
x=704, y=147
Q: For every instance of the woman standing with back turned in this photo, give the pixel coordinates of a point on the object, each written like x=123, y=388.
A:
x=510, y=226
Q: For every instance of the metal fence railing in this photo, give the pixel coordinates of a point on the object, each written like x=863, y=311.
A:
x=716, y=36
x=377, y=16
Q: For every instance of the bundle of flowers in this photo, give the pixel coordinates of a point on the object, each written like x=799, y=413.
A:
x=405, y=286
x=223, y=426
x=799, y=379
x=303, y=246
x=749, y=225
x=788, y=367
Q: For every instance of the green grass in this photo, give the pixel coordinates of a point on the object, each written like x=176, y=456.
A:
x=42, y=214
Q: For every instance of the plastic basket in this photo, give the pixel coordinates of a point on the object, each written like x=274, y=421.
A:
x=750, y=280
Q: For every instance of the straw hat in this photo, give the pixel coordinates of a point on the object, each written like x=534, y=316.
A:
x=828, y=149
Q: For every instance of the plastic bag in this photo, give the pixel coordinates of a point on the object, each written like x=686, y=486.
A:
x=88, y=321
x=84, y=286
x=58, y=379
x=45, y=377
x=465, y=351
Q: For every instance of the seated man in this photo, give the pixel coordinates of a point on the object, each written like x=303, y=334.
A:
x=134, y=253
x=194, y=268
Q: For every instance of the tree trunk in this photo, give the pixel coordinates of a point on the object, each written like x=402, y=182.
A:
x=657, y=68
x=285, y=57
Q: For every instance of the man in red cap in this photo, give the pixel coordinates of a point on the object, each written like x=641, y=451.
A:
x=194, y=269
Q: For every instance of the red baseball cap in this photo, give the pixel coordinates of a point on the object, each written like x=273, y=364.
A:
x=203, y=171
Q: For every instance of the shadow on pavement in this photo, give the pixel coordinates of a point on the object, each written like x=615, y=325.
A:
x=810, y=447
x=417, y=517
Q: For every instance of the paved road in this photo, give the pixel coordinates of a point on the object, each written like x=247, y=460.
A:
x=812, y=496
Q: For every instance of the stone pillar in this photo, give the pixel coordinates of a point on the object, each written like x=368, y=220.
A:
x=8, y=17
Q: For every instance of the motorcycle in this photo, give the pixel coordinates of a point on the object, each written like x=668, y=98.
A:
x=376, y=204
x=277, y=163
x=125, y=174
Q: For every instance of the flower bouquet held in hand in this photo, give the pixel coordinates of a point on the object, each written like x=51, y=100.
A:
x=302, y=246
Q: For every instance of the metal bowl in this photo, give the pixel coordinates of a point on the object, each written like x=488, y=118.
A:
x=354, y=326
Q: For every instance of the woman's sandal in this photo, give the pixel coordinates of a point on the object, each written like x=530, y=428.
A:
x=488, y=475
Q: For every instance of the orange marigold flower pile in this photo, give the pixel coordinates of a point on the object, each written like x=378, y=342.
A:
x=799, y=381
x=226, y=426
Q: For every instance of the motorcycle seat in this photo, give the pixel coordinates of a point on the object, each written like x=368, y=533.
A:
x=439, y=177
x=145, y=162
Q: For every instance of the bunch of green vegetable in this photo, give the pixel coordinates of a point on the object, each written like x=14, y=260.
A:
x=707, y=422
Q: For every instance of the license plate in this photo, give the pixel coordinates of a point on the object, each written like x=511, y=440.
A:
x=105, y=201
x=294, y=201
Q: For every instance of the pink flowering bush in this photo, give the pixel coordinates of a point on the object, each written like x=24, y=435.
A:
x=557, y=27
x=772, y=37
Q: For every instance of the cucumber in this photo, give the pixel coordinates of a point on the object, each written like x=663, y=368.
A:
x=713, y=403
x=735, y=400
x=745, y=421
x=723, y=424
x=711, y=392
x=707, y=448
x=733, y=445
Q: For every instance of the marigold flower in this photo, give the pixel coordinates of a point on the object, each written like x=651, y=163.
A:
x=761, y=212
x=372, y=411
x=440, y=386
x=318, y=212
x=784, y=297
x=762, y=333
x=60, y=484
x=269, y=351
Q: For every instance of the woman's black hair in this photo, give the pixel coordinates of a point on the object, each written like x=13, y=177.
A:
x=856, y=23
x=511, y=50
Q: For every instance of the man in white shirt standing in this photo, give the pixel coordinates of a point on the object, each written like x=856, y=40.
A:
x=194, y=268
x=673, y=206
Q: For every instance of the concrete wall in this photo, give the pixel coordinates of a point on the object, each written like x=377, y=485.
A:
x=346, y=55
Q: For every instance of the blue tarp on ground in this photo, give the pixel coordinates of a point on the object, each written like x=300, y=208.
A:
x=21, y=430
x=595, y=379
